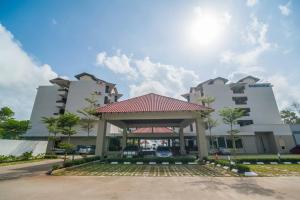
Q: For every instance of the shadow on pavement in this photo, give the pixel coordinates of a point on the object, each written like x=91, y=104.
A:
x=247, y=186
x=34, y=170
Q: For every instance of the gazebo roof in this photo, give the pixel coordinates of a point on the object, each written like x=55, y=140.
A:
x=151, y=103
x=154, y=130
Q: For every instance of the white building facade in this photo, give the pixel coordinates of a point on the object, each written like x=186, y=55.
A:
x=261, y=129
x=69, y=96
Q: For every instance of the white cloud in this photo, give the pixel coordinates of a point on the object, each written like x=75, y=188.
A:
x=255, y=36
x=153, y=77
x=20, y=75
x=120, y=63
x=251, y=3
x=285, y=9
x=285, y=91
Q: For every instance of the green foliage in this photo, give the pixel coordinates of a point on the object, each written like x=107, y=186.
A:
x=26, y=155
x=66, y=146
x=56, y=166
x=289, y=117
x=70, y=163
x=242, y=168
x=66, y=123
x=231, y=115
x=6, y=113
x=88, y=113
x=12, y=129
x=154, y=159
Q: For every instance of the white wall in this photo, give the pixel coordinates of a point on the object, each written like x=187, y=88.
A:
x=44, y=106
x=261, y=101
x=18, y=147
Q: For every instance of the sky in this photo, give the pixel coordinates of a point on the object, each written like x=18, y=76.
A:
x=164, y=46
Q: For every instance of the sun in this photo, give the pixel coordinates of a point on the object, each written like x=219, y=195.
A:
x=206, y=27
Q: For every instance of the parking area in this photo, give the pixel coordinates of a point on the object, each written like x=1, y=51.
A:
x=97, y=169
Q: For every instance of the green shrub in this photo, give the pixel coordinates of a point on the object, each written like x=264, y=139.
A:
x=154, y=159
x=242, y=168
x=267, y=160
x=56, y=166
x=26, y=155
x=70, y=163
x=50, y=156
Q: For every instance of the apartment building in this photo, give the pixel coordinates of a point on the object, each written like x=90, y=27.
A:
x=69, y=96
x=261, y=129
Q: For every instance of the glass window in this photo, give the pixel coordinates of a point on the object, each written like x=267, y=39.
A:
x=221, y=142
x=240, y=100
x=238, y=143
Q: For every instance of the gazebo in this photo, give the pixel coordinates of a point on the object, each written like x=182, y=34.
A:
x=152, y=110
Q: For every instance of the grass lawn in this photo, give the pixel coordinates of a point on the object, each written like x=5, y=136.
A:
x=276, y=170
x=97, y=169
x=20, y=162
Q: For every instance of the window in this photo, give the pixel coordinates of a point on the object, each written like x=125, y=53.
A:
x=221, y=142
x=191, y=128
x=106, y=100
x=107, y=89
x=240, y=100
x=238, y=89
x=245, y=122
x=116, y=98
x=246, y=111
x=238, y=143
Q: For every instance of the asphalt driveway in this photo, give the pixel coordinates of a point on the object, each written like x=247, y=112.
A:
x=29, y=182
x=27, y=169
x=136, y=188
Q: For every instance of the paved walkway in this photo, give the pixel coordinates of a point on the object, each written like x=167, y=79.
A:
x=27, y=169
x=136, y=188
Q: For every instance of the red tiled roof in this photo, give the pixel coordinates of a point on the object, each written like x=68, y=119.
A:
x=150, y=103
x=153, y=130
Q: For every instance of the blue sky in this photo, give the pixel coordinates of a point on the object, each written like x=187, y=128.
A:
x=147, y=46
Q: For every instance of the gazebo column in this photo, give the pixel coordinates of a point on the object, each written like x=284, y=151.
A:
x=201, y=139
x=100, y=140
x=181, y=141
x=124, y=138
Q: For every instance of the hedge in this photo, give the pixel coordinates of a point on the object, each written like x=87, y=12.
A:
x=154, y=159
x=267, y=160
x=70, y=163
x=240, y=167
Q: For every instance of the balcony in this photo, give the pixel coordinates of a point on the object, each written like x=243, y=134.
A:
x=60, y=104
x=62, y=92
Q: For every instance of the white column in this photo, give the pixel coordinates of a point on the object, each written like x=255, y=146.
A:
x=181, y=141
x=124, y=138
x=201, y=139
x=100, y=140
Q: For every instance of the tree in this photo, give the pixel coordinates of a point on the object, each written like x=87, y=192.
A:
x=211, y=123
x=208, y=120
x=230, y=117
x=51, y=123
x=289, y=117
x=6, y=113
x=66, y=124
x=296, y=107
x=12, y=129
x=87, y=122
